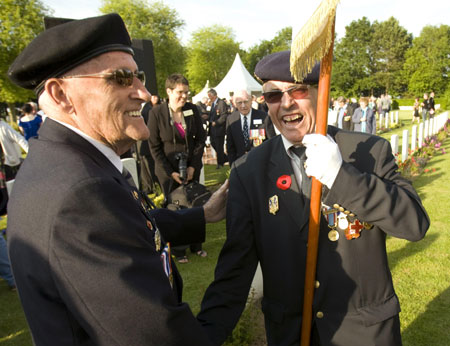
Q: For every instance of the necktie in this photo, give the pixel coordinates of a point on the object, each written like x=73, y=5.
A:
x=128, y=177
x=306, y=181
x=245, y=131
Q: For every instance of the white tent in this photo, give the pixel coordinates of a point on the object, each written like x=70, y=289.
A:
x=237, y=78
x=201, y=94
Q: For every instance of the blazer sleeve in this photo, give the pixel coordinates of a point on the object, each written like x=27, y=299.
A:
x=356, y=117
x=231, y=146
x=226, y=297
x=156, y=143
x=109, y=274
x=195, y=159
x=381, y=197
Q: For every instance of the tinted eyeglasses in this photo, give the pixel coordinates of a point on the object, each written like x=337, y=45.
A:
x=122, y=76
x=297, y=92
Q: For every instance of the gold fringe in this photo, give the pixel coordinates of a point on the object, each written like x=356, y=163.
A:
x=313, y=41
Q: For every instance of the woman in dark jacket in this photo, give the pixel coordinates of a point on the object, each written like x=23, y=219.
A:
x=177, y=134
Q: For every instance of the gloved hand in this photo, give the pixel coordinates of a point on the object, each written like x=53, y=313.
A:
x=323, y=158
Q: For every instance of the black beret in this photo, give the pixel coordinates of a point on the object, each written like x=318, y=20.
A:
x=276, y=66
x=62, y=47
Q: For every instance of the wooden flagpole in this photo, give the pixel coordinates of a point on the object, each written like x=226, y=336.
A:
x=316, y=194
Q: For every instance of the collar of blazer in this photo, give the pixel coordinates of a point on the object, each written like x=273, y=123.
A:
x=55, y=132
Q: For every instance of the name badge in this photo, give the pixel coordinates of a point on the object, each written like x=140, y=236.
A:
x=257, y=122
x=188, y=113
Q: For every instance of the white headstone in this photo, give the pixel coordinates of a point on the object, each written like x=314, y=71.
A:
x=387, y=122
x=394, y=144
x=381, y=121
x=405, y=145
x=396, y=117
x=426, y=129
x=413, y=138
x=420, y=139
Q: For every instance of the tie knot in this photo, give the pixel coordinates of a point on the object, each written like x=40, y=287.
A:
x=299, y=151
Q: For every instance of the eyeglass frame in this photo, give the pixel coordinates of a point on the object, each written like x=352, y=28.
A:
x=279, y=94
x=140, y=75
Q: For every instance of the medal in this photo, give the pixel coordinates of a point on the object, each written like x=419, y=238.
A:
x=367, y=225
x=157, y=239
x=135, y=195
x=354, y=231
x=273, y=204
x=333, y=235
x=149, y=225
x=342, y=222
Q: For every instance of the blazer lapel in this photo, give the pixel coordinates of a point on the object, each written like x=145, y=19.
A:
x=280, y=164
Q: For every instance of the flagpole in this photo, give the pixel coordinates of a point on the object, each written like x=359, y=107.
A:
x=316, y=194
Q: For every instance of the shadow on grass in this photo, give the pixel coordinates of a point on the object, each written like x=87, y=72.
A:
x=411, y=249
x=428, y=328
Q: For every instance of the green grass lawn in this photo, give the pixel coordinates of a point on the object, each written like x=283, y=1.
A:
x=420, y=270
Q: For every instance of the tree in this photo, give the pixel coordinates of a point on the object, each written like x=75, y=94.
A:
x=158, y=23
x=282, y=41
x=389, y=44
x=427, y=62
x=20, y=22
x=210, y=54
x=353, y=64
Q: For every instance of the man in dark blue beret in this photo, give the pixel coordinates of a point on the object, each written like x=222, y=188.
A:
x=90, y=256
x=364, y=199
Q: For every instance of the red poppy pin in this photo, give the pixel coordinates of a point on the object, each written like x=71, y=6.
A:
x=284, y=182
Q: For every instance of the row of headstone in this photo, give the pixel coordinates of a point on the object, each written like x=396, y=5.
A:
x=426, y=129
x=390, y=118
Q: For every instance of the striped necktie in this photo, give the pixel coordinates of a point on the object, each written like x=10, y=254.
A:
x=245, y=132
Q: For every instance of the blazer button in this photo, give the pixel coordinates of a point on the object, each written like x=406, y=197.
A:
x=317, y=284
x=319, y=314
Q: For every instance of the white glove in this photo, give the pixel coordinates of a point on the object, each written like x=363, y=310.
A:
x=323, y=158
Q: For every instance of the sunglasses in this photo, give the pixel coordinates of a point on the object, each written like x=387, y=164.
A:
x=122, y=76
x=297, y=92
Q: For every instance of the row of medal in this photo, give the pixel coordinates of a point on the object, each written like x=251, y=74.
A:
x=338, y=221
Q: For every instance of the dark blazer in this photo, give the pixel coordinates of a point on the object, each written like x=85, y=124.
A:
x=355, y=302
x=82, y=248
x=166, y=142
x=371, y=121
x=218, y=114
x=235, y=138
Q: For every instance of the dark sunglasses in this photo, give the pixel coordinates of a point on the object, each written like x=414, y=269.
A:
x=122, y=76
x=297, y=92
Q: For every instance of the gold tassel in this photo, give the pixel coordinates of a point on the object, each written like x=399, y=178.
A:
x=313, y=41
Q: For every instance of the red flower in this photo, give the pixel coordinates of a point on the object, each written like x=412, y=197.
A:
x=284, y=182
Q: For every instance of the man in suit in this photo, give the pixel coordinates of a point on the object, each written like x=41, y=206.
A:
x=90, y=257
x=217, y=126
x=239, y=124
x=363, y=118
x=365, y=199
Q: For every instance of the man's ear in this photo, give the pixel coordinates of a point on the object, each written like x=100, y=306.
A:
x=58, y=93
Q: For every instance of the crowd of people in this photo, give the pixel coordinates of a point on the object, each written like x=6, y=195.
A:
x=362, y=116
x=93, y=258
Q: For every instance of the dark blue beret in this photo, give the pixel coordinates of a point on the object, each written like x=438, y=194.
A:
x=63, y=47
x=276, y=66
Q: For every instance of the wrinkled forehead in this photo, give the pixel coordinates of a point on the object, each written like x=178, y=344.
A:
x=280, y=85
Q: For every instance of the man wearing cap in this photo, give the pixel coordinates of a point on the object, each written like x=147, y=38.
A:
x=90, y=258
x=364, y=200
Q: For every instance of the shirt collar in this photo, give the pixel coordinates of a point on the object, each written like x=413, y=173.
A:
x=105, y=150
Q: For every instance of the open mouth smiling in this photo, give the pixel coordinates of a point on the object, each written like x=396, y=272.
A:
x=134, y=114
x=292, y=119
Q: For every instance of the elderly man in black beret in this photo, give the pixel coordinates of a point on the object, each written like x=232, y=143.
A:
x=90, y=257
x=364, y=199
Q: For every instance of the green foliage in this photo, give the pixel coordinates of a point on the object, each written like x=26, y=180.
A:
x=282, y=41
x=390, y=41
x=158, y=23
x=427, y=61
x=211, y=52
x=352, y=68
x=20, y=22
